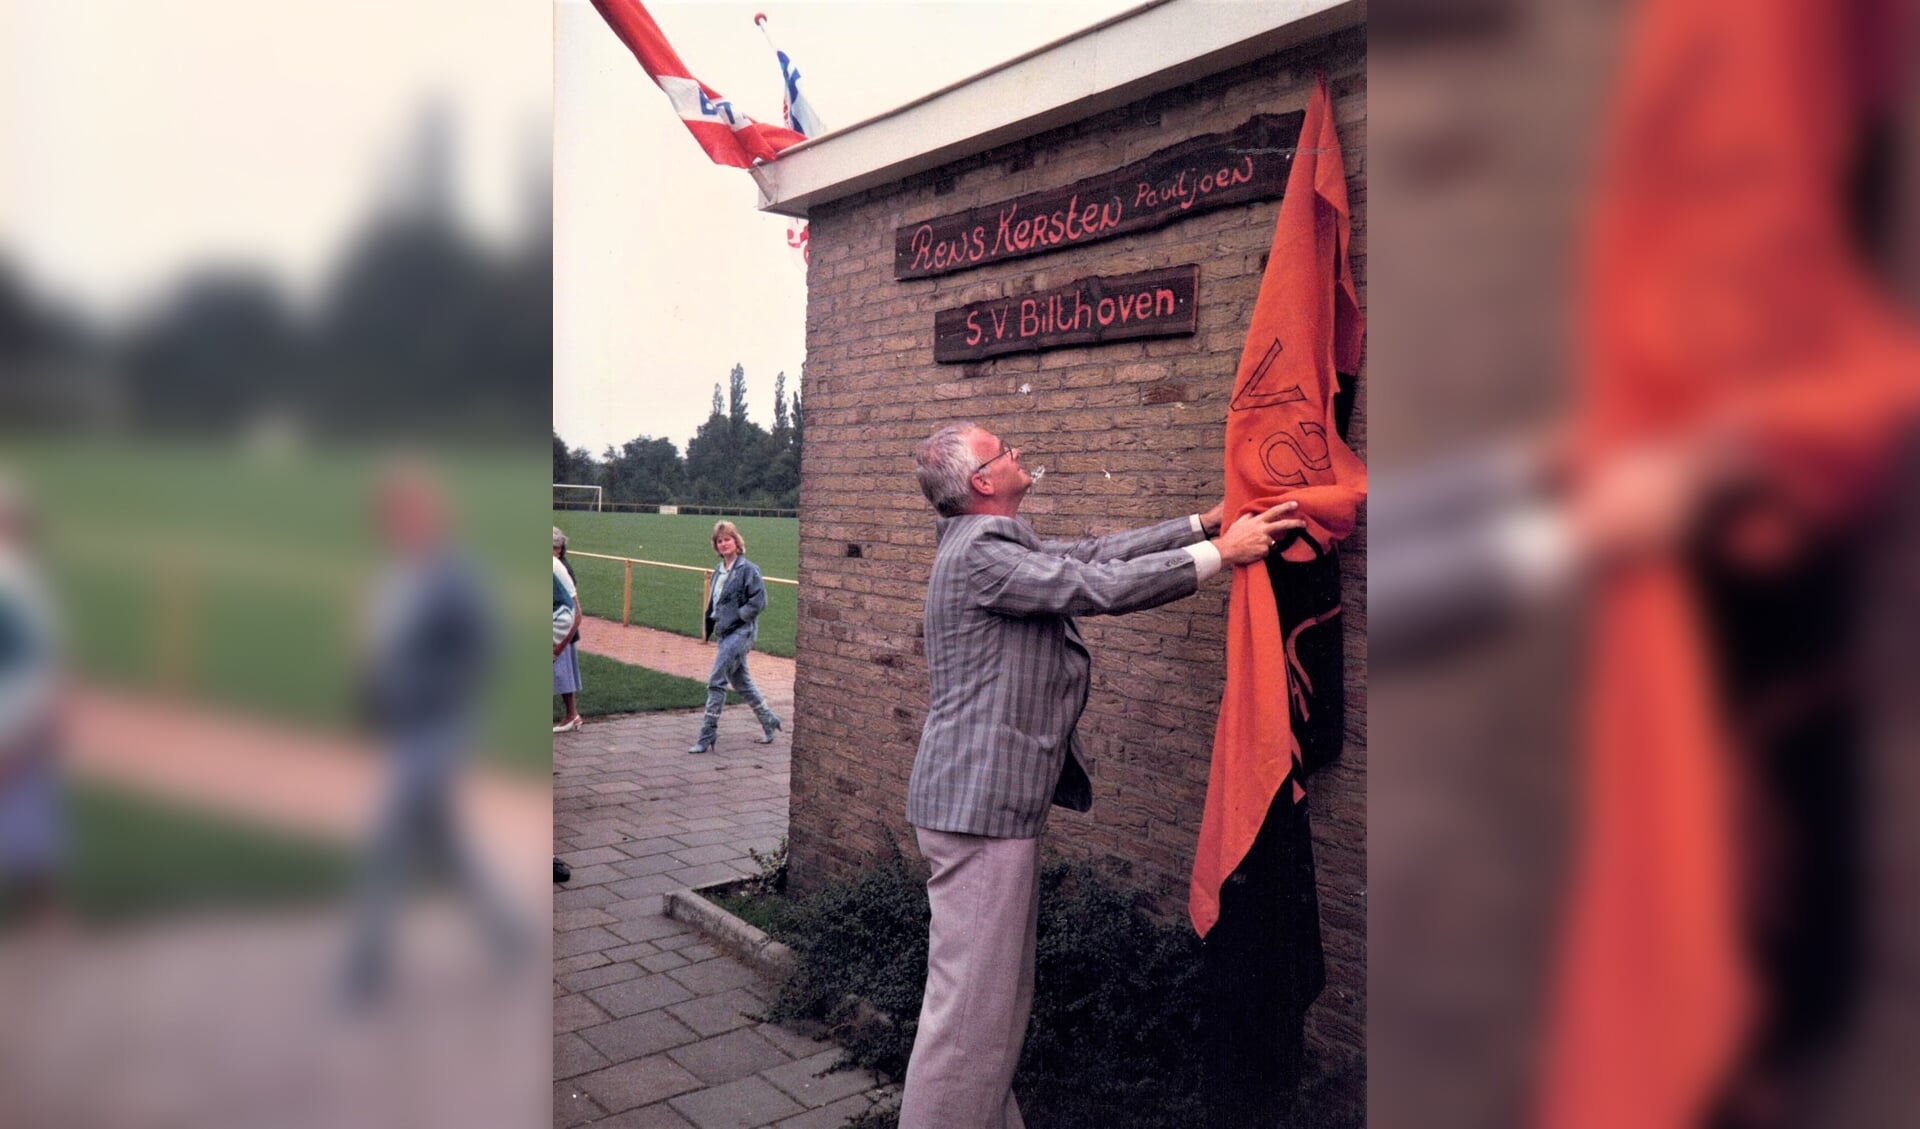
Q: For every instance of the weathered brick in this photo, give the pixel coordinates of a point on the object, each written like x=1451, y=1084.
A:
x=1130, y=432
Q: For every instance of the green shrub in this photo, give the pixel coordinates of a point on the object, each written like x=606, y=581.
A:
x=1115, y=1034
x=860, y=962
x=1115, y=1039
x=770, y=880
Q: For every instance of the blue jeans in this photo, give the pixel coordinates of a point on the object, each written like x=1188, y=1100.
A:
x=730, y=667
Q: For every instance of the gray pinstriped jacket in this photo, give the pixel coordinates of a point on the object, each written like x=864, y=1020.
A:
x=1009, y=671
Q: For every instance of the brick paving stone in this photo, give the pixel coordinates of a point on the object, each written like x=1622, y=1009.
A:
x=724, y=1058
x=568, y=919
x=592, y=896
x=746, y=1104
x=638, y=1036
x=643, y=994
x=650, y=846
x=640, y=1082
x=827, y=1116
x=709, y=838
x=654, y=885
x=660, y=1116
x=573, y=1055
x=601, y=837
x=706, y=823
x=718, y=852
x=578, y=964
x=657, y=1028
x=711, y=1015
x=601, y=977
x=595, y=857
x=638, y=949
x=648, y=905
x=571, y=1106
x=646, y=928
x=615, y=787
x=706, y=873
x=585, y=876
x=592, y=939
x=649, y=864
x=766, y=843
x=660, y=962
x=795, y=1044
x=597, y=825
x=798, y=1081
x=712, y=977
x=573, y=1012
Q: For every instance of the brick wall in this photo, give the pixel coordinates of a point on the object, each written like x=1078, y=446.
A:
x=1129, y=433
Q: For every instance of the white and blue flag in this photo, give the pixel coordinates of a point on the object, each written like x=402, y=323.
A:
x=799, y=117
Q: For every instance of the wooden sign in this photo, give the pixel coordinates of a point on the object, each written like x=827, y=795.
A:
x=1199, y=175
x=1155, y=303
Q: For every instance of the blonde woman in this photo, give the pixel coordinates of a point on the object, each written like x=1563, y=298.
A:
x=734, y=604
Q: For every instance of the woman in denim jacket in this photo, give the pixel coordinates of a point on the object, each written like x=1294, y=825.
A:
x=734, y=604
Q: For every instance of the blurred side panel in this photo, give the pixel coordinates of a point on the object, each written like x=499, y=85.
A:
x=275, y=344
x=1484, y=121
x=1496, y=534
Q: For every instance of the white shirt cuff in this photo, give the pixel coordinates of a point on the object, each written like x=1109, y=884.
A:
x=1206, y=559
x=1197, y=527
x=1536, y=546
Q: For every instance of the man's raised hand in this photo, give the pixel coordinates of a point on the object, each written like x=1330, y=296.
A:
x=1250, y=538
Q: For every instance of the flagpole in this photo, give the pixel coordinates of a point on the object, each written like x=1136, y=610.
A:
x=790, y=109
x=760, y=178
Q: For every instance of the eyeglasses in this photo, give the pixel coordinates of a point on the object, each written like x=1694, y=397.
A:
x=1004, y=452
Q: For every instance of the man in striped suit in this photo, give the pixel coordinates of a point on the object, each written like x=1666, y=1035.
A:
x=1009, y=677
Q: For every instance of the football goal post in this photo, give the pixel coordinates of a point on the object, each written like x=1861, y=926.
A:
x=569, y=496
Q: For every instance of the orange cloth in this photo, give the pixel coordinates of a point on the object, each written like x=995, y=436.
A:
x=1282, y=445
x=1724, y=298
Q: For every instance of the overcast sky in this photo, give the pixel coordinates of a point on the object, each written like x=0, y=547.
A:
x=144, y=140
x=665, y=272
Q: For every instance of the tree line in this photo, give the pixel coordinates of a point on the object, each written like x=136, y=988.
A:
x=423, y=328
x=730, y=461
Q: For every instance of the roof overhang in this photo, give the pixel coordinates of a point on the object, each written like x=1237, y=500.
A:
x=1157, y=46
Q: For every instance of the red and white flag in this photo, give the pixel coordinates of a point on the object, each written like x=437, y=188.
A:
x=729, y=136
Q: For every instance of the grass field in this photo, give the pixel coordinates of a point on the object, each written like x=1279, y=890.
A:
x=671, y=600
x=240, y=580
x=608, y=686
x=134, y=857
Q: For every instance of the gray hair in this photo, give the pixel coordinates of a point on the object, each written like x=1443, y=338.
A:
x=945, y=469
x=559, y=538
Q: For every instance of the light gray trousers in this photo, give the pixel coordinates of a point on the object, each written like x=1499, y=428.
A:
x=973, y=1020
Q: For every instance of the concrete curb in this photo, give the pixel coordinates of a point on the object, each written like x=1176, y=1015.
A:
x=767, y=956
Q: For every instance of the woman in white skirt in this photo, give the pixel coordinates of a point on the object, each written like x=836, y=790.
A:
x=566, y=653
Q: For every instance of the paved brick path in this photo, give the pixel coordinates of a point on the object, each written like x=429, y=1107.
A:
x=653, y=1028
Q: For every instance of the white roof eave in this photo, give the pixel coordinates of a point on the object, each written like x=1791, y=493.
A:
x=1136, y=54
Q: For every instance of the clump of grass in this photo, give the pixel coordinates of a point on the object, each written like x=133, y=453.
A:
x=760, y=900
